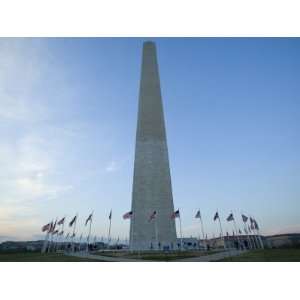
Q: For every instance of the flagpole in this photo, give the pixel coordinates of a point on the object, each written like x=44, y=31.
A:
x=260, y=240
x=73, y=236
x=253, y=241
x=237, y=233
x=202, y=228
x=245, y=219
x=108, y=242
x=62, y=236
x=45, y=242
x=248, y=237
x=256, y=239
x=156, y=233
x=255, y=235
x=221, y=230
x=66, y=241
x=130, y=233
x=180, y=232
x=88, y=239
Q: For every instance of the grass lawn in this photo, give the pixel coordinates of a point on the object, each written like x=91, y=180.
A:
x=275, y=255
x=38, y=257
x=155, y=255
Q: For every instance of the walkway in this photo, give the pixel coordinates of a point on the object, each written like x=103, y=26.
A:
x=205, y=258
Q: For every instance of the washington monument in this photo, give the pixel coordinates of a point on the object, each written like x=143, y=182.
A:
x=151, y=224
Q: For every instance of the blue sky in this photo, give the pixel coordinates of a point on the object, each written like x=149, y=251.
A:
x=68, y=119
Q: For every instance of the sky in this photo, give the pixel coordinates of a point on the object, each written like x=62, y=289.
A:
x=68, y=114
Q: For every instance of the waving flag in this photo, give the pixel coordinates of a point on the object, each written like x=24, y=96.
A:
x=52, y=227
x=128, y=215
x=230, y=217
x=73, y=221
x=175, y=214
x=198, y=215
x=216, y=216
x=46, y=227
x=255, y=225
x=54, y=232
x=152, y=216
x=62, y=221
x=245, y=218
x=89, y=219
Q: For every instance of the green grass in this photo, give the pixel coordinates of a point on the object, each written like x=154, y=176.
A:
x=275, y=255
x=38, y=257
x=155, y=255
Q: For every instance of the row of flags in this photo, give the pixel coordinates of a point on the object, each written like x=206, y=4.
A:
x=53, y=228
x=176, y=214
x=253, y=222
x=50, y=227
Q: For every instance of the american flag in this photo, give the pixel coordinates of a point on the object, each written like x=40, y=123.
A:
x=255, y=225
x=245, y=218
x=152, y=216
x=216, y=216
x=89, y=219
x=230, y=217
x=46, y=227
x=62, y=221
x=198, y=215
x=52, y=227
x=128, y=215
x=175, y=214
x=73, y=221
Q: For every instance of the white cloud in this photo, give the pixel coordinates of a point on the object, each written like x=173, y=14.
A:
x=28, y=154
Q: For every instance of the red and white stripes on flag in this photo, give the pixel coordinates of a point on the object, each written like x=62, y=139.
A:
x=152, y=216
x=128, y=215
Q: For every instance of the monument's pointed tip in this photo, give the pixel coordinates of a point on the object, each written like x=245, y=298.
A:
x=149, y=44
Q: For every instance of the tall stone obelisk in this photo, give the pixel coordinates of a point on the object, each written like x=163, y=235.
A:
x=152, y=189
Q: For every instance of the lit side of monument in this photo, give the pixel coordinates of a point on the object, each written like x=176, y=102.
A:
x=152, y=189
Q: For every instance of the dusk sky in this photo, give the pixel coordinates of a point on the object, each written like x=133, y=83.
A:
x=68, y=114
